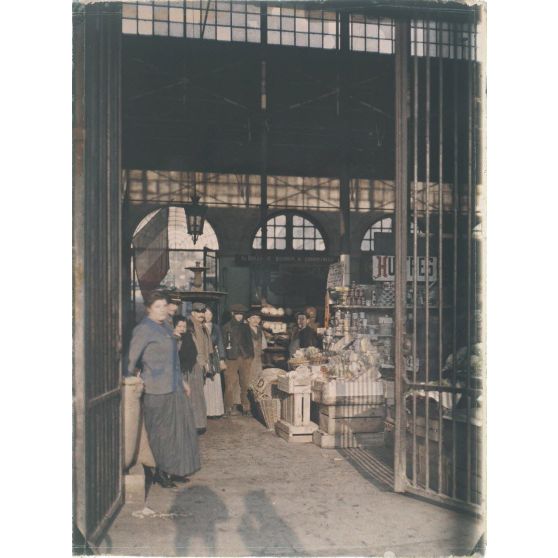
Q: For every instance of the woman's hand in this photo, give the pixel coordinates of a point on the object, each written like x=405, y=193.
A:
x=186, y=387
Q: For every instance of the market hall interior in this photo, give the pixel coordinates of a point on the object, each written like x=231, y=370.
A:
x=257, y=495
x=331, y=175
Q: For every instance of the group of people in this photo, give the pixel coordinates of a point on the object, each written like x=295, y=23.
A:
x=180, y=361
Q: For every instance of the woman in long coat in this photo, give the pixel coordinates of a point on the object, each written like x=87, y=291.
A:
x=195, y=361
x=167, y=409
x=212, y=389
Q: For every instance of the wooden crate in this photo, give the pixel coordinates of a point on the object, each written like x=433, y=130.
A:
x=295, y=434
x=295, y=408
x=348, y=440
x=353, y=411
x=289, y=383
x=342, y=425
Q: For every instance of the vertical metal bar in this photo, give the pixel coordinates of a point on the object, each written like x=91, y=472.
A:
x=344, y=182
x=427, y=254
x=264, y=129
x=455, y=250
x=415, y=241
x=470, y=102
x=440, y=246
x=402, y=40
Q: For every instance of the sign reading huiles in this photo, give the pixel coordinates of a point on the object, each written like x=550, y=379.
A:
x=383, y=268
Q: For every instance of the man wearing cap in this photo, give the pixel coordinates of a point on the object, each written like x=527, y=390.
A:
x=258, y=340
x=240, y=353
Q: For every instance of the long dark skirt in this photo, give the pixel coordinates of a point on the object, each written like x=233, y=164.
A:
x=195, y=380
x=171, y=430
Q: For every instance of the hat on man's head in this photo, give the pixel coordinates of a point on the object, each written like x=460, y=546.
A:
x=238, y=309
x=172, y=299
x=199, y=307
x=254, y=312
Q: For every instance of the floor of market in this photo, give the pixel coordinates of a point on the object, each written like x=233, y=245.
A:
x=257, y=495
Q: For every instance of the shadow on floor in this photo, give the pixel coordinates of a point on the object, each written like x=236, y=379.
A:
x=263, y=532
x=372, y=464
x=197, y=513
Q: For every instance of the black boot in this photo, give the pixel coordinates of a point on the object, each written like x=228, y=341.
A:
x=163, y=479
x=149, y=479
x=177, y=478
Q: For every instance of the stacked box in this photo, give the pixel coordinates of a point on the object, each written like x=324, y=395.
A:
x=295, y=425
x=350, y=425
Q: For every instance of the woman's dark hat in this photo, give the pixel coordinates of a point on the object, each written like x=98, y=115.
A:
x=239, y=309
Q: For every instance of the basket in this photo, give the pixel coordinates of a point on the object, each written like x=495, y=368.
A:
x=270, y=410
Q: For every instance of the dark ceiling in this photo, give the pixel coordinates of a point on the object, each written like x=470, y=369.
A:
x=191, y=104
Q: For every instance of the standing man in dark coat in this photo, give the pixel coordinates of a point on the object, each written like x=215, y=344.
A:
x=240, y=353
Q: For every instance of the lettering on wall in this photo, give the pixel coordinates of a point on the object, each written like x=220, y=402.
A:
x=383, y=268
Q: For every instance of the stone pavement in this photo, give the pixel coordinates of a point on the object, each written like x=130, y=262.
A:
x=257, y=495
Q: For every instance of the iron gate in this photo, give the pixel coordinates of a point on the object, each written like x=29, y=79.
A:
x=97, y=478
x=439, y=336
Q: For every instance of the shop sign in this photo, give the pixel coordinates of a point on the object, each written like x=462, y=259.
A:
x=383, y=268
x=273, y=258
x=335, y=275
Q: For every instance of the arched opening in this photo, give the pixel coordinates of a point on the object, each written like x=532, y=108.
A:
x=161, y=256
x=291, y=231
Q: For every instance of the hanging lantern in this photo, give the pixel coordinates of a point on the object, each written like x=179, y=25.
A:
x=195, y=217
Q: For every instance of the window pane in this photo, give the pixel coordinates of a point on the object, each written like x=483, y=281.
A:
x=129, y=11
x=329, y=42
x=239, y=20
x=176, y=30
x=320, y=246
x=161, y=28
x=270, y=243
x=385, y=46
x=223, y=33
x=301, y=25
x=301, y=39
x=287, y=24
x=308, y=244
x=280, y=232
x=281, y=220
x=257, y=244
x=210, y=32
x=298, y=221
x=254, y=22
x=358, y=43
x=145, y=12
x=129, y=26
x=358, y=29
x=254, y=36
x=280, y=244
x=162, y=14
x=315, y=41
x=193, y=16
x=274, y=37
x=297, y=232
x=145, y=27
x=298, y=244
x=223, y=18
x=176, y=14
x=372, y=45
x=371, y=29
x=315, y=26
x=238, y=34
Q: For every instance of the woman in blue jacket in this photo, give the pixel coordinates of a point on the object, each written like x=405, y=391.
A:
x=167, y=410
